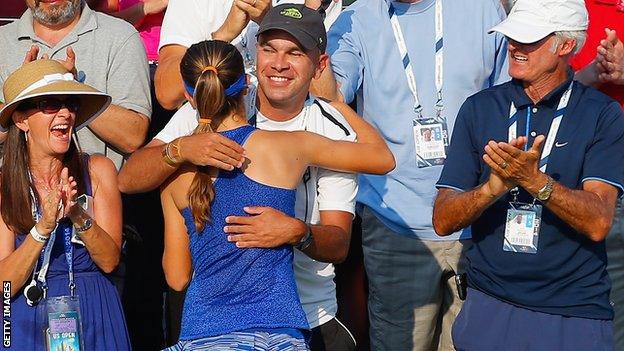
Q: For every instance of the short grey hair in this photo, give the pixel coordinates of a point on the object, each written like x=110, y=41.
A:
x=578, y=35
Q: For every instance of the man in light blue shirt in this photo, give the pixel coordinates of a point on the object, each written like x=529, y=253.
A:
x=376, y=46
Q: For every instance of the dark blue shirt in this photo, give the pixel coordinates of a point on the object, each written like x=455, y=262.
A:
x=567, y=276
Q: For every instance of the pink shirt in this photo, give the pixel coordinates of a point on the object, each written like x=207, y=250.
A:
x=149, y=29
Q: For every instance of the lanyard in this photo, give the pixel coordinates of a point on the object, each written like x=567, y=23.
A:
x=44, y=262
x=552, y=132
x=249, y=61
x=407, y=65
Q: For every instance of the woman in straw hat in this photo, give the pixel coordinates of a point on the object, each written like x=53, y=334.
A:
x=55, y=246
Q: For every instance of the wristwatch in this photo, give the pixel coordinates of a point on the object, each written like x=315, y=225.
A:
x=544, y=193
x=306, y=241
x=86, y=225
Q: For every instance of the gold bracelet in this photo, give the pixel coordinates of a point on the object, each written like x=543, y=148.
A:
x=176, y=146
x=167, y=158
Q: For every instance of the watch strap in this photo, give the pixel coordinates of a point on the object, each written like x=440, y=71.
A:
x=88, y=223
x=545, y=192
x=307, y=239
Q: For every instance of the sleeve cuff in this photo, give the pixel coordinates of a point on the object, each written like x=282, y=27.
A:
x=446, y=186
x=146, y=111
x=337, y=206
x=175, y=40
x=343, y=86
x=615, y=184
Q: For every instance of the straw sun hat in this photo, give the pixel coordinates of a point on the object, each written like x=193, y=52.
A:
x=49, y=77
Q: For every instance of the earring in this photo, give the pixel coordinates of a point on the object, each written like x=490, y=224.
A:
x=26, y=137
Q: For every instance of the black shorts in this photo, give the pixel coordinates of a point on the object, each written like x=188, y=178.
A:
x=332, y=336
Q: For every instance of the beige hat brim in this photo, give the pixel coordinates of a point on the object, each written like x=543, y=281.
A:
x=92, y=102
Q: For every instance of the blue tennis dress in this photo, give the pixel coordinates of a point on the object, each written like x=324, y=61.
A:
x=103, y=324
x=240, y=290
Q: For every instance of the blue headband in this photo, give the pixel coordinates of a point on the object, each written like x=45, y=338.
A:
x=238, y=86
x=232, y=90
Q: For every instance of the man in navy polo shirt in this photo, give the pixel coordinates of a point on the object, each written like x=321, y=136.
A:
x=535, y=166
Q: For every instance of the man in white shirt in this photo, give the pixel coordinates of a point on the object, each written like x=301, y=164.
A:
x=325, y=199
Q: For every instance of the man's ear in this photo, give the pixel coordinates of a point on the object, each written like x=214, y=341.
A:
x=322, y=64
x=567, y=47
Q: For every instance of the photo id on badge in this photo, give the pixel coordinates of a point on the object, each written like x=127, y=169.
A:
x=431, y=142
x=522, y=227
x=64, y=330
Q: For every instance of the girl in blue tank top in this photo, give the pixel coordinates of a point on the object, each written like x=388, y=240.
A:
x=241, y=296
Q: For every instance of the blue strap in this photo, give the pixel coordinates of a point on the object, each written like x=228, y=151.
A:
x=86, y=174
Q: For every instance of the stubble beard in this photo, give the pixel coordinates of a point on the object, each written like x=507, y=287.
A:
x=55, y=15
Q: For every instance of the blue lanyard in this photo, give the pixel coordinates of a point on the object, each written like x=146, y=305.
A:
x=407, y=65
x=552, y=131
x=44, y=260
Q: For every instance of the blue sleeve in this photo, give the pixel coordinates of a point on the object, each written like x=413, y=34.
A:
x=604, y=159
x=500, y=74
x=463, y=163
x=346, y=58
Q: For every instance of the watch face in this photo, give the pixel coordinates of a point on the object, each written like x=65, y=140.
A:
x=85, y=226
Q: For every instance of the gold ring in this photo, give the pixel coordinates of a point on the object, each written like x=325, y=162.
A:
x=503, y=165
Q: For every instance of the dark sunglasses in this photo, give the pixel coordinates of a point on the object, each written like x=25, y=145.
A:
x=51, y=105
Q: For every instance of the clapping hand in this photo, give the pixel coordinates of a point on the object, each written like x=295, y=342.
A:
x=255, y=9
x=498, y=183
x=56, y=202
x=512, y=163
x=610, y=59
x=69, y=189
x=69, y=63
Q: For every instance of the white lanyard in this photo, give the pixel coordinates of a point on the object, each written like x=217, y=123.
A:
x=439, y=59
x=552, y=132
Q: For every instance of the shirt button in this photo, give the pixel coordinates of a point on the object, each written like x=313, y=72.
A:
x=534, y=110
x=533, y=134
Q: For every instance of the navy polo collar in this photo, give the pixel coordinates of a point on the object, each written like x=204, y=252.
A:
x=521, y=99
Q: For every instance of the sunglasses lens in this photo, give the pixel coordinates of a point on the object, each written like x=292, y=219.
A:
x=53, y=105
x=72, y=104
x=26, y=105
x=50, y=106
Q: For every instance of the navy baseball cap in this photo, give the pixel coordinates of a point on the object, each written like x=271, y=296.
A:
x=303, y=23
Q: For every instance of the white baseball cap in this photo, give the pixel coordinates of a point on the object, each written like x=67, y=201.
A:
x=532, y=20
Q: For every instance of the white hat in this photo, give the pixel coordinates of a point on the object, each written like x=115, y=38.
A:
x=532, y=20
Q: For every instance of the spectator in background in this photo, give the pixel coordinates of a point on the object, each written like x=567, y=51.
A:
x=553, y=153
x=601, y=64
x=413, y=298
x=106, y=54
